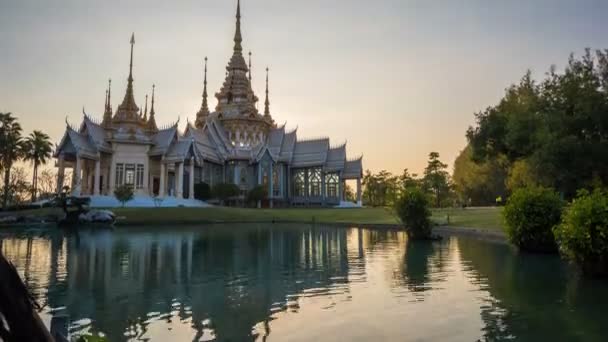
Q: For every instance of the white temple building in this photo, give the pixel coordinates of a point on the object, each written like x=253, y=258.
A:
x=233, y=144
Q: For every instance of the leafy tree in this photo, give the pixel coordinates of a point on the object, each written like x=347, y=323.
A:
x=479, y=183
x=37, y=148
x=530, y=215
x=124, y=193
x=436, y=179
x=407, y=180
x=202, y=191
x=257, y=194
x=224, y=191
x=18, y=189
x=558, y=126
x=380, y=189
x=413, y=211
x=11, y=149
x=583, y=234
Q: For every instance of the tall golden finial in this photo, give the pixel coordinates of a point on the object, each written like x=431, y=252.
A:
x=238, y=39
x=146, y=110
x=202, y=114
x=107, y=114
x=249, y=66
x=151, y=125
x=267, y=102
x=110, y=94
x=131, y=61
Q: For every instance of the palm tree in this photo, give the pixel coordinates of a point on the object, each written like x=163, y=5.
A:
x=38, y=149
x=11, y=149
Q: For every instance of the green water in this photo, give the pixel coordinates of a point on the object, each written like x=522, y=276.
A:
x=302, y=283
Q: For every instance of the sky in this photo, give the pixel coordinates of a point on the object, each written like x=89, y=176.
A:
x=395, y=79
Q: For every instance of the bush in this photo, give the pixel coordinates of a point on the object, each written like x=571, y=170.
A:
x=202, y=191
x=530, y=215
x=583, y=234
x=413, y=210
x=257, y=194
x=124, y=193
x=225, y=191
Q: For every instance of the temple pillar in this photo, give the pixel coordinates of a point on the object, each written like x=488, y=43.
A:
x=191, y=180
x=179, y=173
x=96, y=182
x=323, y=189
x=77, y=177
x=271, y=183
x=60, y=173
x=161, y=186
x=359, y=202
x=112, y=184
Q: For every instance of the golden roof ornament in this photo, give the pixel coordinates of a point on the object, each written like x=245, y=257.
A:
x=151, y=124
x=127, y=111
x=267, y=102
x=107, y=114
x=204, y=111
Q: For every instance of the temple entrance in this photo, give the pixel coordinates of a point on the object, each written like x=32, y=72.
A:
x=155, y=186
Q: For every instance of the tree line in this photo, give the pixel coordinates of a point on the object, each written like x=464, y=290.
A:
x=35, y=148
x=384, y=189
x=552, y=133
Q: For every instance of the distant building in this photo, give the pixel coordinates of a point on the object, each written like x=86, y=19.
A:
x=233, y=144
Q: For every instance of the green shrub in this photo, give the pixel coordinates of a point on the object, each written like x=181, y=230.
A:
x=413, y=211
x=202, y=191
x=258, y=193
x=583, y=234
x=530, y=215
x=124, y=193
x=225, y=191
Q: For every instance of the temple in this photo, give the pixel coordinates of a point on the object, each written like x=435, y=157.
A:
x=232, y=144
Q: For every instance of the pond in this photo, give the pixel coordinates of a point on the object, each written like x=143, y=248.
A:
x=302, y=283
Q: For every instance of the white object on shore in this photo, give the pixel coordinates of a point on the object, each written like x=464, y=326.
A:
x=346, y=204
x=97, y=216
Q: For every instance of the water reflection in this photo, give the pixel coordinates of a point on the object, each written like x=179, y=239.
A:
x=300, y=283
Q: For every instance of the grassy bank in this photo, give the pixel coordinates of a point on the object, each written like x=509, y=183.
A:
x=488, y=218
x=476, y=218
x=136, y=216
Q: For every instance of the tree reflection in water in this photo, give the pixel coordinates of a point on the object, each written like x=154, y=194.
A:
x=238, y=282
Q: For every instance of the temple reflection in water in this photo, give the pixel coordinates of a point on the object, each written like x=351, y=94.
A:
x=225, y=282
x=300, y=283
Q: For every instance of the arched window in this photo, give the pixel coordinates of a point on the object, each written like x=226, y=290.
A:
x=299, y=183
x=332, y=181
x=315, y=182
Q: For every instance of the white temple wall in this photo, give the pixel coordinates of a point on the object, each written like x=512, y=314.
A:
x=127, y=154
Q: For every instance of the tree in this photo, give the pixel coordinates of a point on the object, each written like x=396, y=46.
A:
x=480, y=183
x=37, y=149
x=257, y=195
x=225, y=191
x=18, y=189
x=124, y=193
x=380, y=189
x=11, y=149
x=436, y=179
x=413, y=211
x=558, y=127
x=46, y=184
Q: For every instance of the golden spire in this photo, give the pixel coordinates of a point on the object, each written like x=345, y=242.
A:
x=127, y=111
x=249, y=66
x=204, y=111
x=107, y=114
x=267, y=102
x=152, y=121
x=146, y=111
x=238, y=39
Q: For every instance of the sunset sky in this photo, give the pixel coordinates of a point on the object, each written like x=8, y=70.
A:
x=395, y=78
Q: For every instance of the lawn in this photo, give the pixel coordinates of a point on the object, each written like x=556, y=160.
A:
x=480, y=218
x=135, y=216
